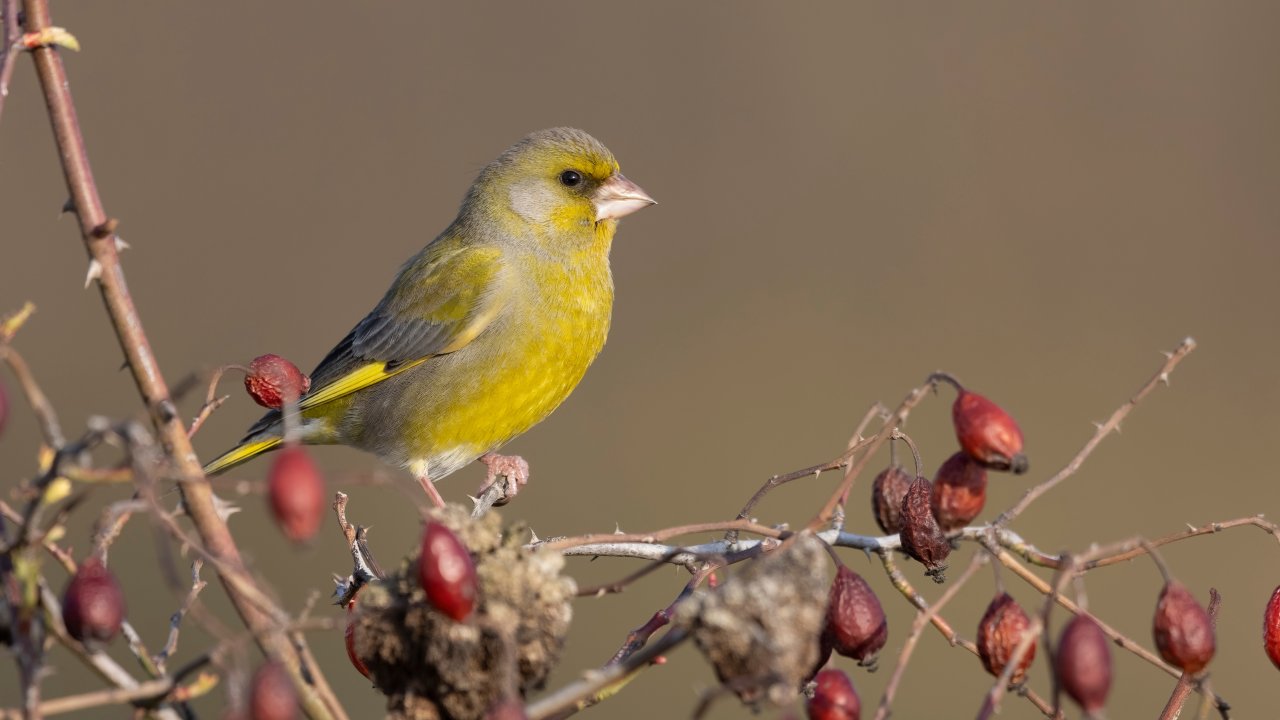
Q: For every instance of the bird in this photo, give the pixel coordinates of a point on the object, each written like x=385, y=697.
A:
x=483, y=332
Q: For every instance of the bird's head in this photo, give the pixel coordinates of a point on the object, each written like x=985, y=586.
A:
x=561, y=182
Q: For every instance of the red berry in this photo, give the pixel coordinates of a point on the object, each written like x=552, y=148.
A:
x=988, y=433
x=959, y=492
x=999, y=633
x=922, y=539
x=93, y=604
x=349, y=636
x=1084, y=663
x=1183, y=629
x=834, y=698
x=1271, y=628
x=856, y=626
x=272, y=695
x=446, y=572
x=887, y=491
x=272, y=380
x=507, y=709
x=296, y=493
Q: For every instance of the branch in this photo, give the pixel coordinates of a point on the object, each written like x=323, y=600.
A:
x=98, y=233
x=1111, y=425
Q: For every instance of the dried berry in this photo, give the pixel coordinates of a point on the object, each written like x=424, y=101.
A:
x=959, y=492
x=349, y=637
x=296, y=493
x=1271, y=628
x=93, y=604
x=271, y=694
x=988, y=433
x=446, y=572
x=922, y=539
x=856, y=626
x=999, y=633
x=1183, y=630
x=834, y=698
x=887, y=491
x=1084, y=663
x=272, y=381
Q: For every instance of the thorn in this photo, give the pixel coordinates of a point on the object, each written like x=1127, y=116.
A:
x=224, y=508
x=1191, y=527
x=474, y=501
x=1167, y=355
x=617, y=529
x=1164, y=379
x=121, y=245
x=95, y=272
x=68, y=207
x=1117, y=428
x=533, y=537
x=1098, y=426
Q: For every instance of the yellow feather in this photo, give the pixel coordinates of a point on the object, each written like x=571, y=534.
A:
x=353, y=381
x=239, y=454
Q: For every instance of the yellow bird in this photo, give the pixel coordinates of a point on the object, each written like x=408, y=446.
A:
x=485, y=330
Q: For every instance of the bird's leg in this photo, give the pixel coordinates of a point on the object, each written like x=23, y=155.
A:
x=424, y=479
x=512, y=468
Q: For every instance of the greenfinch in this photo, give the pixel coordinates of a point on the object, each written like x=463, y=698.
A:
x=485, y=330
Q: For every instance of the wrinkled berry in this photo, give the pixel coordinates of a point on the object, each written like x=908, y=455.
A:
x=999, y=633
x=959, y=492
x=856, y=625
x=271, y=694
x=272, y=380
x=1084, y=663
x=834, y=698
x=887, y=491
x=1182, y=629
x=92, y=603
x=922, y=539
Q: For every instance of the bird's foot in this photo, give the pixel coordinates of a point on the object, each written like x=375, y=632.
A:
x=510, y=470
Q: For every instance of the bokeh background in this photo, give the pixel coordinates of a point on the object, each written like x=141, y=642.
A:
x=1039, y=199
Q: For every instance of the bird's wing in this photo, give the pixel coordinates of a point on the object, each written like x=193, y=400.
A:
x=441, y=300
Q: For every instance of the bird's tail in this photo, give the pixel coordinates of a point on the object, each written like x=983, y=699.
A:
x=243, y=452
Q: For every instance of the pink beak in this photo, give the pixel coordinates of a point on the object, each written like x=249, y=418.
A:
x=618, y=197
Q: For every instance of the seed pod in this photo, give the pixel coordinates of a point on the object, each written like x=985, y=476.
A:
x=446, y=572
x=834, y=698
x=349, y=637
x=1271, y=628
x=988, y=433
x=999, y=633
x=922, y=539
x=271, y=694
x=272, y=380
x=1183, y=630
x=856, y=625
x=92, y=603
x=887, y=491
x=959, y=492
x=1084, y=663
x=296, y=493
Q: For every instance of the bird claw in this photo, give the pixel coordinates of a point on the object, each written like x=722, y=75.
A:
x=513, y=471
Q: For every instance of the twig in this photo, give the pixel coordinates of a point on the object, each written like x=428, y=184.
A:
x=9, y=47
x=36, y=399
x=149, y=692
x=1111, y=425
x=923, y=618
x=211, y=400
x=98, y=232
x=161, y=659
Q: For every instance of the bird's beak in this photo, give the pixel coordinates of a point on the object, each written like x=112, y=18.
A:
x=618, y=197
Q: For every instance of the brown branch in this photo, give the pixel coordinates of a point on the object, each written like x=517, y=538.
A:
x=665, y=533
x=36, y=399
x=97, y=232
x=9, y=46
x=1111, y=425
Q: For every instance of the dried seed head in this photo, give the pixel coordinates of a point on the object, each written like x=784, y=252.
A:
x=887, y=491
x=922, y=539
x=446, y=572
x=758, y=628
x=272, y=380
x=959, y=492
x=856, y=625
x=271, y=694
x=988, y=433
x=1083, y=663
x=999, y=633
x=92, y=603
x=296, y=493
x=833, y=697
x=1271, y=628
x=1183, y=629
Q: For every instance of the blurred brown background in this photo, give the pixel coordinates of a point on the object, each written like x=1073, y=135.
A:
x=1036, y=199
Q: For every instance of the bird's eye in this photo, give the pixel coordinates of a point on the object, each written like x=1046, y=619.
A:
x=570, y=178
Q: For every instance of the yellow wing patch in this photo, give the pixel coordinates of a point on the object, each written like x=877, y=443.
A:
x=355, y=380
x=240, y=454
